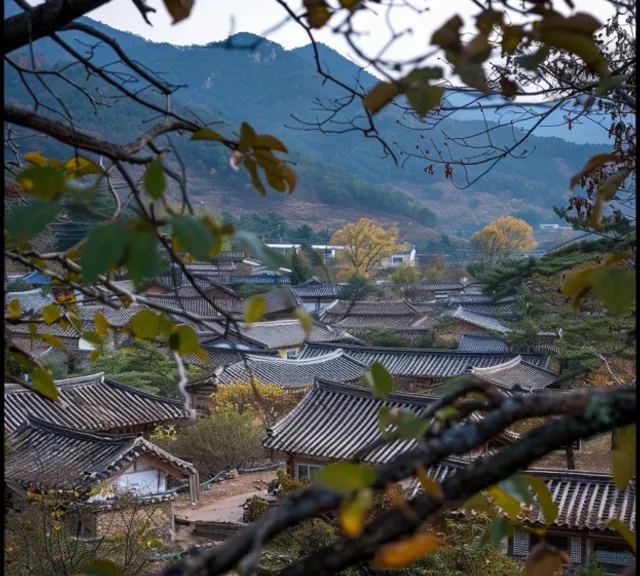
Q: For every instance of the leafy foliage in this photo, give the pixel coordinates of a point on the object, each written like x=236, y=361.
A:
x=501, y=239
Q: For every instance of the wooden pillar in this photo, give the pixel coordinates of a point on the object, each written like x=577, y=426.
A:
x=194, y=488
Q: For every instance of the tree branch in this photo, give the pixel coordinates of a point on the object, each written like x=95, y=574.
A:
x=38, y=22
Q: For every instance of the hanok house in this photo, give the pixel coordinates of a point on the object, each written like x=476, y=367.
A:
x=386, y=314
x=281, y=304
x=314, y=294
x=517, y=375
x=69, y=337
x=95, y=467
x=31, y=301
x=454, y=323
x=334, y=422
x=284, y=336
x=586, y=502
x=415, y=369
x=93, y=403
x=417, y=291
x=199, y=306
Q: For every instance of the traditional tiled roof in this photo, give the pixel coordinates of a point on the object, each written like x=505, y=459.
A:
x=45, y=456
x=281, y=300
x=90, y=403
x=207, y=286
x=385, y=314
x=478, y=320
x=516, y=373
x=481, y=343
x=31, y=301
x=198, y=305
x=288, y=334
x=435, y=286
x=220, y=357
x=425, y=362
x=586, y=500
x=315, y=289
x=293, y=373
x=335, y=421
x=53, y=329
x=115, y=317
x=506, y=309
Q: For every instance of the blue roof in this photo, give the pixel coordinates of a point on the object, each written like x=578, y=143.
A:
x=36, y=278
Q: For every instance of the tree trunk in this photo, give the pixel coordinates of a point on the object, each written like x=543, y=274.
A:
x=571, y=461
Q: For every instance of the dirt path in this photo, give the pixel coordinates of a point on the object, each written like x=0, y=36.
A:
x=224, y=510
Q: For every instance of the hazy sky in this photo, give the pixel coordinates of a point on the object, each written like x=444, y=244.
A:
x=213, y=20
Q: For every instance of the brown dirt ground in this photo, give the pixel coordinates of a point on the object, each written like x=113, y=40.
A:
x=594, y=456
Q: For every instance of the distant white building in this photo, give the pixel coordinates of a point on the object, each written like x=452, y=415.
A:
x=407, y=257
x=328, y=252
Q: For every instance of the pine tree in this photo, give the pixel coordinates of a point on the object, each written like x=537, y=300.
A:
x=300, y=271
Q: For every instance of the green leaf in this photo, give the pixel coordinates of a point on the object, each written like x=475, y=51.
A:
x=144, y=258
x=194, y=236
x=46, y=183
x=50, y=313
x=478, y=502
x=616, y=287
x=91, y=337
x=380, y=380
x=254, y=309
x=101, y=568
x=179, y=9
x=452, y=385
x=624, y=456
x=184, y=341
x=207, y=134
x=345, y=477
x=154, y=181
x=101, y=324
x=380, y=95
x=145, y=324
x=629, y=536
x=44, y=384
x=270, y=258
x=516, y=487
x=549, y=507
x=578, y=44
x=14, y=309
x=500, y=529
x=424, y=98
x=105, y=245
x=32, y=219
x=608, y=83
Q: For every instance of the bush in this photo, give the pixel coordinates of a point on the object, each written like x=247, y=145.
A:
x=257, y=507
x=229, y=438
x=385, y=337
x=405, y=274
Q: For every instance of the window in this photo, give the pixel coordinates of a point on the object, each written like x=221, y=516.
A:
x=305, y=471
x=576, y=550
x=520, y=543
x=611, y=553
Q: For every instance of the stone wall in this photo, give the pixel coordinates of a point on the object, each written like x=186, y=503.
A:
x=118, y=521
x=218, y=531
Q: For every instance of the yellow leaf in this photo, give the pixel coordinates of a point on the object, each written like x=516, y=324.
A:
x=36, y=158
x=269, y=142
x=207, y=134
x=290, y=178
x=429, y=485
x=509, y=505
x=605, y=193
x=593, y=163
x=53, y=341
x=624, y=456
x=44, y=384
x=318, y=13
x=404, y=553
x=179, y=9
x=50, y=313
x=95, y=354
x=380, y=95
x=578, y=286
x=354, y=513
x=255, y=309
x=629, y=536
x=101, y=324
x=14, y=309
x=80, y=166
x=615, y=259
x=479, y=503
x=549, y=507
x=545, y=560
x=305, y=320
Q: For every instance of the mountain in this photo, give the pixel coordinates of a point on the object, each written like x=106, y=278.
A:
x=271, y=87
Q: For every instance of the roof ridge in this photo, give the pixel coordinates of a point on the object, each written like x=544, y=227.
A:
x=81, y=379
x=34, y=423
x=490, y=369
x=137, y=391
x=26, y=291
x=357, y=390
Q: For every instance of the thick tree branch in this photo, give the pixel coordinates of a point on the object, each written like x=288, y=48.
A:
x=316, y=499
x=41, y=21
x=602, y=414
x=67, y=135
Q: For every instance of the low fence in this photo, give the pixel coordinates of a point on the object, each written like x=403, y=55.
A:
x=216, y=530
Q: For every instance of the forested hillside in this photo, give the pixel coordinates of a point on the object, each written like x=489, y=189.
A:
x=274, y=89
